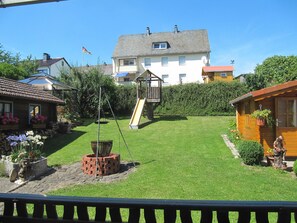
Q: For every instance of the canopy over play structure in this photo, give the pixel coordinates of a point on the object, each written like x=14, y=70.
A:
x=149, y=91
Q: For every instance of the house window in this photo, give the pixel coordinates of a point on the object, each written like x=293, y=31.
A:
x=165, y=78
x=182, y=60
x=128, y=62
x=182, y=78
x=46, y=71
x=62, y=63
x=147, y=62
x=164, y=61
x=160, y=45
x=223, y=75
x=34, y=110
x=5, y=108
x=126, y=79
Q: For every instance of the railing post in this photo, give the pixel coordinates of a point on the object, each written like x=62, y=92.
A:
x=100, y=214
x=134, y=215
x=223, y=216
x=169, y=215
x=206, y=216
x=149, y=215
x=185, y=216
x=284, y=217
x=115, y=214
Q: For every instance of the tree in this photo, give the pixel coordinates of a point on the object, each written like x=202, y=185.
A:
x=274, y=70
x=11, y=66
x=277, y=69
x=84, y=101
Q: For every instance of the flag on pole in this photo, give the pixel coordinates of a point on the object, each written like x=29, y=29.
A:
x=84, y=50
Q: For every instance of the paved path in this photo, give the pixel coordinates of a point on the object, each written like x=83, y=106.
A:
x=64, y=176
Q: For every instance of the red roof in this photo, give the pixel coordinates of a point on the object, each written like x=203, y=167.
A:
x=268, y=92
x=217, y=68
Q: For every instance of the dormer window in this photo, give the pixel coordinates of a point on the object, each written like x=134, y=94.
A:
x=160, y=45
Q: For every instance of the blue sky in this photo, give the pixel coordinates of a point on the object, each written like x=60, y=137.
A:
x=245, y=31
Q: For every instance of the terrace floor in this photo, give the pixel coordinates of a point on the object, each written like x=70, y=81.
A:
x=60, y=177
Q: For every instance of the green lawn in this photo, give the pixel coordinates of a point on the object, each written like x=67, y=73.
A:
x=179, y=158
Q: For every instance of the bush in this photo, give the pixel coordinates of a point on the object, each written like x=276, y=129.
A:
x=2, y=169
x=295, y=168
x=251, y=152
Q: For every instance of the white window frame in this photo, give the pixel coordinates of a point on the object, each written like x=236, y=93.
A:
x=160, y=45
x=164, y=61
x=147, y=62
x=182, y=60
x=127, y=62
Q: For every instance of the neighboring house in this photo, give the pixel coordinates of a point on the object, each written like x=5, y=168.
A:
x=25, y=101
x=105, y=69
x=282, y=101
x=53, y=66
x=48, y=83
x=242, y=77
x=177, y=57
x=217, y=73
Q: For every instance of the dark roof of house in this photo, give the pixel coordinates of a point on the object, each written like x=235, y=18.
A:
x=106, y=69
x=268, y=92
x=15, y=89
x=182, y=42
x=50, y=61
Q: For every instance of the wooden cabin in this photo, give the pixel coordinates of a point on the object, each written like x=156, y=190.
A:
x=217, y=73
x=25, y=101
x=282, y=101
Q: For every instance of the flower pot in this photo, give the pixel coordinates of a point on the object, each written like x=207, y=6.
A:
x=104, y=147
x=261, y=122
x=9, y=127
x=39, y=126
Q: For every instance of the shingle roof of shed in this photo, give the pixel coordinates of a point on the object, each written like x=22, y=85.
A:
x=15, y=89
x=183, y=42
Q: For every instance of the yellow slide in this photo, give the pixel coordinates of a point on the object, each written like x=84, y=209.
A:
x=135, y=119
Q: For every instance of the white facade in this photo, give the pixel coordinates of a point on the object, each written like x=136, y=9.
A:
x=176, y=57
x=173, y=73
x=56, y=68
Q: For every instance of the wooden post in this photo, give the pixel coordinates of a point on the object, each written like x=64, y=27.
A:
x=150, y=111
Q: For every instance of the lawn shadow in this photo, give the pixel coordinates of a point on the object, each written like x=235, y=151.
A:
x=163, y=118
x=59, y=141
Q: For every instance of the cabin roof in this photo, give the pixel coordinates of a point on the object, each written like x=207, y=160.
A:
x=268, y=92
x=207, y=69
x=15, y=89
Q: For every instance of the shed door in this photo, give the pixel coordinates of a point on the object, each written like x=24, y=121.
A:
x=286, y=123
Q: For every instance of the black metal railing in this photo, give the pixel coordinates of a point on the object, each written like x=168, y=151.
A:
x=77, y=209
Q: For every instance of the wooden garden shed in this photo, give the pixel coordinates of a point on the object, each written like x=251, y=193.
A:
x=282, y=101
x=25, y=101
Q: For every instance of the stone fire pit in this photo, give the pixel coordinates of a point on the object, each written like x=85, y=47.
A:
x=106, y=164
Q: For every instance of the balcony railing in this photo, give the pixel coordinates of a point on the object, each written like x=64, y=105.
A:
x=77, y=209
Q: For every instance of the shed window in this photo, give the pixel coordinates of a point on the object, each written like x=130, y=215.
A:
x=287, y=112
x=5, y=108
x=247, y=107
x=223, y=75
x=34, y=109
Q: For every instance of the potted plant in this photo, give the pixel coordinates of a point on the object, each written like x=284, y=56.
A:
x=262, y=116
x=38, y=121
x=26, y=151
x=9, y=122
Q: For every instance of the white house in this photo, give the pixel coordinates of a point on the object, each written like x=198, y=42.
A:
x=177, y=57
x=53, y=66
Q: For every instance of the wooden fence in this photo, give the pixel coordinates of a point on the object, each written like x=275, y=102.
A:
x=77, y=209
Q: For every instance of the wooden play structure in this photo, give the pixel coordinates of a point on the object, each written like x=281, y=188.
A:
x=149, y=91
